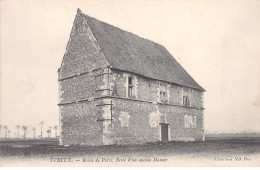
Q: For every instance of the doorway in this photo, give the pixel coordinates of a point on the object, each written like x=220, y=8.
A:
x=164, y=132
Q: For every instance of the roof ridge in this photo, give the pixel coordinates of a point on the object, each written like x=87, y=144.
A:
x=124, y=50
x=88, y=16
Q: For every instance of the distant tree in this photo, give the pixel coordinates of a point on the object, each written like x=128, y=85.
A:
x=6, y=130
x=15, y=134
x=50, y=128
x=1, y=129
x=41, y=123
x=56, y=128
x=9, y=131
x=34, y=132
x=18, y=129
x=49, y=133
x=24, y=131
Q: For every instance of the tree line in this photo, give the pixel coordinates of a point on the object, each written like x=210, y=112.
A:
x=24, y=129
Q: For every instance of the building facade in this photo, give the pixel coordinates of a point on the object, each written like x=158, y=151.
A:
x=118, y=88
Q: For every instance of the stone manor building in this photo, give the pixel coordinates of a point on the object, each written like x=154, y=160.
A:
x=118, y=88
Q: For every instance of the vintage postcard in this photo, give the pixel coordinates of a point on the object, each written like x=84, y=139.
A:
x=130, y=83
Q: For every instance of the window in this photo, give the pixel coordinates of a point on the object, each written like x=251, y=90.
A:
x=163, y=94
x=186, y=101
x=130, y=87
x=163, y=97
x=190, y=121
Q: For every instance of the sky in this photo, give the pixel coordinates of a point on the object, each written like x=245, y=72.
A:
x=216, y=41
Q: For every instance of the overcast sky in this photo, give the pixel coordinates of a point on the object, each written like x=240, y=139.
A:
x=217, y=42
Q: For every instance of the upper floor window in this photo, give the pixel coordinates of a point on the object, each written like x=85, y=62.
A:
x=163, y=94
x=163, y=97
x=186, y=101
x=130, y=87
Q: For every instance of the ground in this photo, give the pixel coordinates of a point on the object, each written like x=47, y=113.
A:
x=243, y=150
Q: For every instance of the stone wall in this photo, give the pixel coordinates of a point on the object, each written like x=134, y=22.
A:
x=89, y=124
x=79, y=124
x=83, y=53
x=91, y=119
x=140, y=129
x=78, y=88
x=175, y=117
x=81, y=79
x=87, y=85
x=81, y=108
x=148, y=90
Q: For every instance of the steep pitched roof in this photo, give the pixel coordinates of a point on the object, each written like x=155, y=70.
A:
x=128, y=52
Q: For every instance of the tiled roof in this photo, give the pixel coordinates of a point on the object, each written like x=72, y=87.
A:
x=128, y=52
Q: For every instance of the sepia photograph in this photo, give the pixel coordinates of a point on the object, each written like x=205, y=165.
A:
x=152, y=83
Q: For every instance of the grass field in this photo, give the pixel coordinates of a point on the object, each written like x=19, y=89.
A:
x=50, y=148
